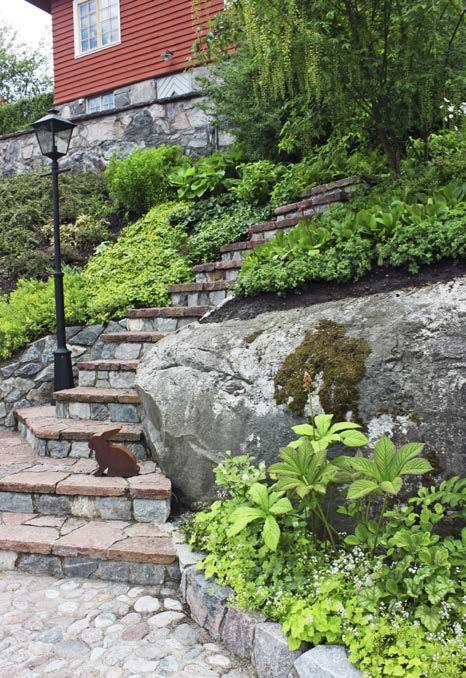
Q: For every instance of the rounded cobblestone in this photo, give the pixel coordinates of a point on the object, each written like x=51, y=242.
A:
x=75, y=628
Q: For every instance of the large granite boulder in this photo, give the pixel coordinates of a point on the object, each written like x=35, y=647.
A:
x=210, y=387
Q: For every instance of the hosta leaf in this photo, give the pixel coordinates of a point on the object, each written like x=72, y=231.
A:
x=322, y=423
x=366, y=466
x=260, y=496
x=361, y=488
x=353, y=438
x=385, y=451
x=282, y=506
x=241, y=517
x=343, y=426
x=406, y=452
x=271, y=533
x=303, y=430
x=415, y=467
x=391, y=487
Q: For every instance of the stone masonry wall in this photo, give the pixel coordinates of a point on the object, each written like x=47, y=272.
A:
x=143, y=117
x=27, y=379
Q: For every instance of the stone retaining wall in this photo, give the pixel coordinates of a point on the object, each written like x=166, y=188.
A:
x=250, y=635
x=27, y=379
x=142, y=118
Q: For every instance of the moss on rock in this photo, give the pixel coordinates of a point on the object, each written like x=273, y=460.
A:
x=339, y=359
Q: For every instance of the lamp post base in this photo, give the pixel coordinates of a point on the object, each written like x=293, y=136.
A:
x=63, y=370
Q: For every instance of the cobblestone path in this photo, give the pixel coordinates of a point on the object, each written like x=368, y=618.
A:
x=73, y=628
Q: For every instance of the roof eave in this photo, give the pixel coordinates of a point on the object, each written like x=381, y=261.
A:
x=41, y=4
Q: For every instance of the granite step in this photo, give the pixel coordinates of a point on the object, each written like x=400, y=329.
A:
x=237, y=250
x=127, y=346
x=217, y=270
x=33, y=484
x=98, y=549
x=117, y=405
x=56, y=437
x=200, y=294
x=321, y=197
x=165, y=319
x=108, y=373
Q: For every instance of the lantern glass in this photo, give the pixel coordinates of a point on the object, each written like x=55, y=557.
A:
x=53, y=134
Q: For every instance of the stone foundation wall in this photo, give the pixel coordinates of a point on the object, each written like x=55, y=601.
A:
x=27, y=379
x=143, y=117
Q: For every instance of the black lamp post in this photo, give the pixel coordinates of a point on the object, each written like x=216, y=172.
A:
x=54, y=135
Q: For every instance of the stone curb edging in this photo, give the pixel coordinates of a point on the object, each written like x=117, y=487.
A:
x=249, y=635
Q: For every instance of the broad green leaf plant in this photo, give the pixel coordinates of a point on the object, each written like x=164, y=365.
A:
x=266, y=505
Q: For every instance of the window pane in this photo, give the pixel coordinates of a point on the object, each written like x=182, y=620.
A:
x=107, y=102
x=94, y=105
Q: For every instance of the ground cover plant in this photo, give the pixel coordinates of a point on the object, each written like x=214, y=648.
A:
x=390, y=586
x=136, y=270
x=399, y=227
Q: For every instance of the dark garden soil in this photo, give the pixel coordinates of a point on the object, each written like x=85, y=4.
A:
x=379, y=280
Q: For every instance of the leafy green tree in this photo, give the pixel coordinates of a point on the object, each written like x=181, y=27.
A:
x=23, y=69
x=383, y=64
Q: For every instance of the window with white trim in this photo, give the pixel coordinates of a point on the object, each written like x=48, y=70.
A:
x=96, y=25
x=103, y=102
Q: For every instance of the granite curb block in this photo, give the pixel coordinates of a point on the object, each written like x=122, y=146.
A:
x=248, y=634
x=142, y=574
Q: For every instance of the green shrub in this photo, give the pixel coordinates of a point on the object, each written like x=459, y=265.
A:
x=391, y=590
x=214, y=224
x=137, y=270
x=343, y=245
x=25, y=209
x=20, y=115
x=341, y=156
x=205, y=177
x=79, y=238
x=29, y=311
x=255, y=125
x=257, y=180
x=140, y=181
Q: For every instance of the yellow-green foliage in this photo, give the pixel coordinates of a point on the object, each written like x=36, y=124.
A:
x=338, y=358
x=30, y=310
x=137, y=270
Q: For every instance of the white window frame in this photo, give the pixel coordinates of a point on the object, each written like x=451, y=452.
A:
x=77, y=31
x=101, y=98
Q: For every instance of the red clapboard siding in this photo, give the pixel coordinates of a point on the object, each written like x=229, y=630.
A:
x=148, y=28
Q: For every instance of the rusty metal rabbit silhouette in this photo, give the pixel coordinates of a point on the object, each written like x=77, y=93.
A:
x=117, y=460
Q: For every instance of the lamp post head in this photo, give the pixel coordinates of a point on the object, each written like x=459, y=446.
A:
x=53, y=133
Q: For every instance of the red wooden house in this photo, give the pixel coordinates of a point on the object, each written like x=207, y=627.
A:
x=103, y=45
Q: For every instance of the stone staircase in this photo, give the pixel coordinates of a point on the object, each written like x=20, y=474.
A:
x=56, y=517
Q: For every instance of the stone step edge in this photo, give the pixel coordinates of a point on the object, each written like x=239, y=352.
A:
x=132, y=337
x=99, y=540
x=108, y=365
x=239, y=246
x=217, y=266
x=47, y=426
x=69, y=484
x=138, y=574
x=356, y=180
x=216, y=286
x=169, y=312
x=90, y=394
x=304, y=205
